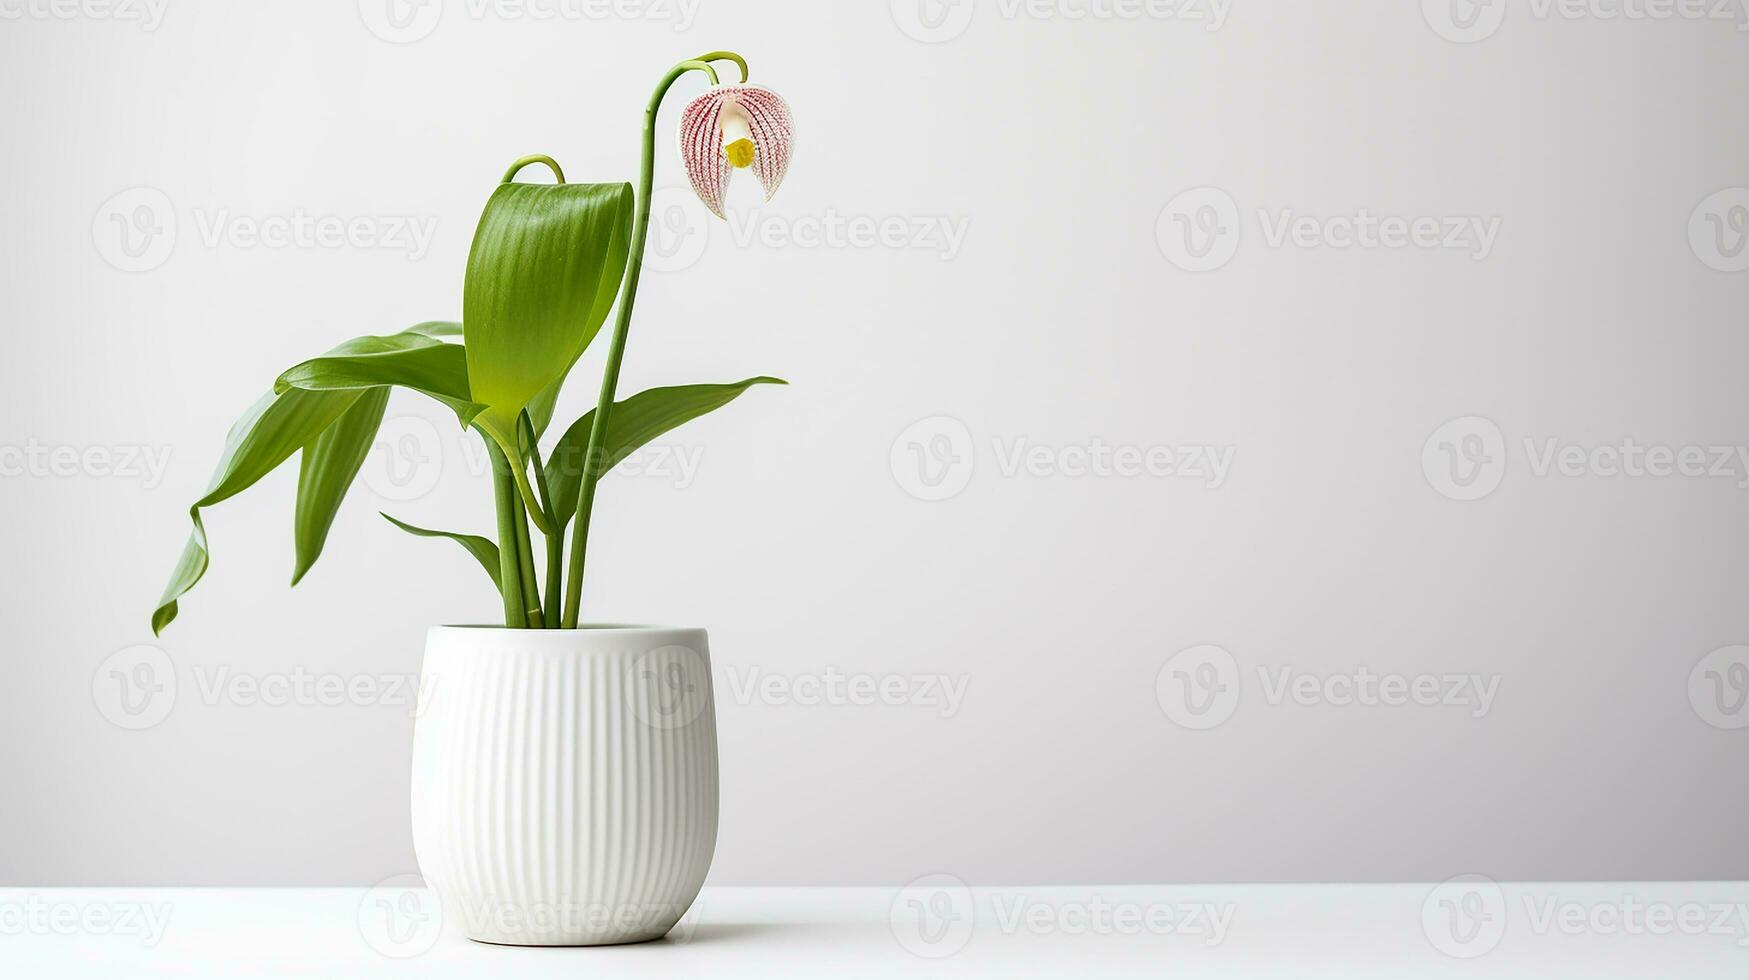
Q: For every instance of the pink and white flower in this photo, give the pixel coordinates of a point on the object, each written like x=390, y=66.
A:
x=730, y=127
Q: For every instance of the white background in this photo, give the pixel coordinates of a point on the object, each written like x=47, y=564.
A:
x=1608, y=306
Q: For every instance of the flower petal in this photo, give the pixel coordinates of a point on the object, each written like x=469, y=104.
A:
x=701, y=149
x=773, y=134
x=701, y=146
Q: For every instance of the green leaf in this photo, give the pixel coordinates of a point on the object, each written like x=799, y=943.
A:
x=306, y=401
x=326, y=472
x=541, y=407
x=412, y=359
x=630, y=425
x=273, y=429
x=436, y=328
x=545, y=264
x=483, y=550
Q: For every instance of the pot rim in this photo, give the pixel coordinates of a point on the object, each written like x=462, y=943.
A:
x=592, y=629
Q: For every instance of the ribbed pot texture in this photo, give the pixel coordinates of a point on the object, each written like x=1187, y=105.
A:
x=565, y=781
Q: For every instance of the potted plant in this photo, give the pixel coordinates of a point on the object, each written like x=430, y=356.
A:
x=565, y=775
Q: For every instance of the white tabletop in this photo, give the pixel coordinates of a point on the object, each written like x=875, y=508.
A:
x=936, y=927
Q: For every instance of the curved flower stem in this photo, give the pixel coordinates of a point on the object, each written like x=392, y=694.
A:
x=594, y=458
x=725, y=56
x=691, y=64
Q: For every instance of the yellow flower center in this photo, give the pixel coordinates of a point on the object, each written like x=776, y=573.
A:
x=737, y=135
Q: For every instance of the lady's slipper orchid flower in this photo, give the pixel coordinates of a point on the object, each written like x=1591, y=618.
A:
x=731, y=127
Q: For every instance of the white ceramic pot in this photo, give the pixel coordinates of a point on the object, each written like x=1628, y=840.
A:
x=565, y=781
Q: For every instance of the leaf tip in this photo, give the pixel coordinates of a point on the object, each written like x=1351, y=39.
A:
x=305, y=563
x=468, y=413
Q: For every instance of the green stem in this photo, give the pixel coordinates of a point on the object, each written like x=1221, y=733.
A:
x=693, y=64
x=510, y=175
x=532, y=507
x=555, y=540
x=739, y=61
x=555, y=576
x=594, y=457
x=509, y=565
x=525, y=569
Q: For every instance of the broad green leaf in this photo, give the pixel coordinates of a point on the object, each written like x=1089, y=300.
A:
x=541, y=406
x=436, y=328
x=326, y=471
x=483, y=550
x=545, y=264
x=410, y=359
x=630, y=425
x=274, y=428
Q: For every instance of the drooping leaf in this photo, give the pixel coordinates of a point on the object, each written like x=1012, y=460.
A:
x=410, y=359
x=483, y=550
x=273, y=429
x=545, y=264
x=630, y=425
x=297, y=414
x=326, y=471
